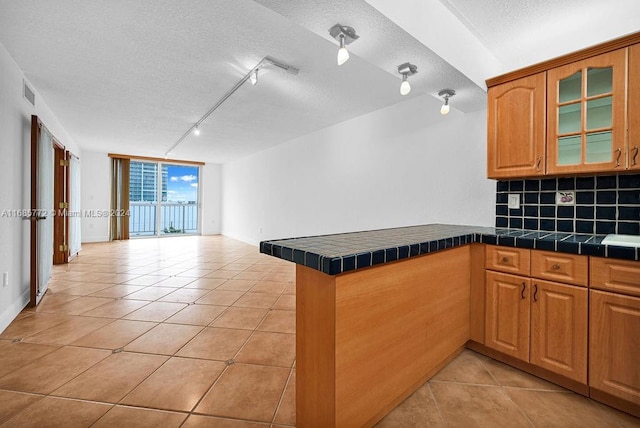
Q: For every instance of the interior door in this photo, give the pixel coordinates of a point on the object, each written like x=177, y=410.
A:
x=60, y=193
x=42, y=210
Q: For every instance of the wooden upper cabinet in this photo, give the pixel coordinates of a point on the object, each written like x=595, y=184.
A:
x=586, y=114
x=516, y=128
x=633, y=157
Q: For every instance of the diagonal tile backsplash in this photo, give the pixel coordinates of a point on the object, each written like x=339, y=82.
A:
x=602, y=205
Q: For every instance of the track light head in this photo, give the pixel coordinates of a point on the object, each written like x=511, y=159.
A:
x=254, y=77
x=196, y=131
x=446, y=94
x=344, y=35
x=407, y=69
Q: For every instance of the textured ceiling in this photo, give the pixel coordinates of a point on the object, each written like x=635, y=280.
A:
x=132, y=76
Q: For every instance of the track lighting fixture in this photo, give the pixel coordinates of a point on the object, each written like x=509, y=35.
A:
x=407, y=69
x=252, y=76
x=344, y=35
x=446, y=94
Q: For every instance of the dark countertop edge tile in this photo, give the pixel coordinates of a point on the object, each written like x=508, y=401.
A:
x=520, y=238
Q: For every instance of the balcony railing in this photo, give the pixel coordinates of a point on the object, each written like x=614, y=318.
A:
x=174, y=218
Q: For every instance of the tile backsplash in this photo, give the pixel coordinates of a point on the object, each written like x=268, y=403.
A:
x=603, y=204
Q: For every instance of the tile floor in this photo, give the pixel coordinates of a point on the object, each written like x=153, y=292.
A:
x=200, y=331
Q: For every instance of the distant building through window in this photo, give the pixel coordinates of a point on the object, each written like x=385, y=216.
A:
x=143, y=182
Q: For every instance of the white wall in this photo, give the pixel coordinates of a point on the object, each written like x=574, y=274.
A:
x=15, y=176
x=402, y=165
x=210, y=199
x=95, y=195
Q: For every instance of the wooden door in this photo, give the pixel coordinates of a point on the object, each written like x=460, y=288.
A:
x=42, y=210
x=633, y=157
x=507, y=314
x=559, y=329
x=516, y=128
x=614, y=345
x=60, y=192
x=586, y=104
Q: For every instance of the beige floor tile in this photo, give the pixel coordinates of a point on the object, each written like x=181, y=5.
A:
x=286, y=413
x=291, y=289
x=247, y=392
x=115, y=335
x=118, y=278
x=199, y=421
x=197, y=315
x=112, y=378
x=85, y=289
x=52, y=412
x=48, y=373
x=151, y=293
x=478, y=406
x=130, y=417
x=165, y=339
x=175, y=281
x=509, y=376
x=237, y=285
x=206, y=283
x=250, y=275
x=279, y=322
x=418, y=410
x=170, y=271
x=118, y=290
x=222, y=274
x=286, y=302
x=560, y=409
x=51, y=302
x=466, y=368
x=220, y=344
x=195, y=273
x=237, y=266
x=280, y=276
x=82, y=304
x=260, y=268
x=184, y=295
x=269, y=349
x=18, y=354
x=116, y=309
x=147, y=280
x=257, y=300
x=273, y=287
x=221, y=298
x=13, y=402
x=155, y=311
x=616, y=417
x=244, y=318
x=68, y=331
x=177, y=385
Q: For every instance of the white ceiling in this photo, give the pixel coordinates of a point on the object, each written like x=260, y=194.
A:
x=131, y=76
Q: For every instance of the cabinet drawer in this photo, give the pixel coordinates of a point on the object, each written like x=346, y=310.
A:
x=567, y=268
x=508, y=259
x=621, y=276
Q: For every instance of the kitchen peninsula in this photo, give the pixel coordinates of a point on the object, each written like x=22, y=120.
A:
x=380, y=312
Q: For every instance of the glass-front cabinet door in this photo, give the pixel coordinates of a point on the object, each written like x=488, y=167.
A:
x=586, y=115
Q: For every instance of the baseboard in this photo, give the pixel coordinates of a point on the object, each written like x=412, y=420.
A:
x=93, y=239
x=616, y=402
x=10, y=313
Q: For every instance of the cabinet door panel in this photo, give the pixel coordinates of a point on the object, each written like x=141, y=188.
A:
x=586, y=107
x=614, y=345
x=516, y=128
x=633, y=155
x=559, y=329
x=508, y=314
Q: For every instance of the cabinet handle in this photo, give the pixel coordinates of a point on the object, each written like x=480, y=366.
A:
x=555, y=267
x=619, y=152
x=538, y=161
x=505, y=259
x=535, y=292
x=635, y=155
x=522, y=292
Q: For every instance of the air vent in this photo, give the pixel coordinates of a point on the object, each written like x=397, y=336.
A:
x=29, y=95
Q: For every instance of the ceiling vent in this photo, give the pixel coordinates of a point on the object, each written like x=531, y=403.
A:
x=28, y=94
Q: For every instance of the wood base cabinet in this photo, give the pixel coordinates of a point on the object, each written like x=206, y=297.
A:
x=614, y=365
x=559, y=329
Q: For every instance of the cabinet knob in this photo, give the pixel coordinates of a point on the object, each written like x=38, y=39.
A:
x=505, y=259
x=555, y=267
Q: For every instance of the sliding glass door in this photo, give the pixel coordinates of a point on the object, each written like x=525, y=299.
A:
x=163, y=199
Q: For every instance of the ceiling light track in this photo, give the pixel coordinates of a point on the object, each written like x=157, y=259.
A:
x=251, y=75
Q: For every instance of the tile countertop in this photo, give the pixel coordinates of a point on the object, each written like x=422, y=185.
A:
x=343, y=252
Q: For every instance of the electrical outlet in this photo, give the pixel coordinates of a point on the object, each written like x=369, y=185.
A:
x=514, y=201
x=5, y=279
